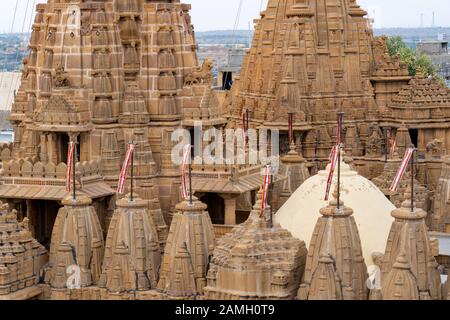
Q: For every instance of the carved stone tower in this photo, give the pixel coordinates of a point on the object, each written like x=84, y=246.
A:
x=188, y=251
x=335, y=267
x=256, y=261
x=408, y=249
x=77, y=247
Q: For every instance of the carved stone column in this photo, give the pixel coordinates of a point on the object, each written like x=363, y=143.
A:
x=73, y=136
x=31, y=218
x=43, y=154
x=52, y=149
x=230, y=208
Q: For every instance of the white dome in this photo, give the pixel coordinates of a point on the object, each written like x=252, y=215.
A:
x=372, y=210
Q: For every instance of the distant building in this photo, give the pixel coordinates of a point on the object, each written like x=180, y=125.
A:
x=439, y=54
x=9, y=84
x=228, y=72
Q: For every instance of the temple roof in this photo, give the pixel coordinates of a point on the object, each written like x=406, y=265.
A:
x=306, y=56
x=371, y=209
x=234, y=182
x=251, y=256
x=21, y=258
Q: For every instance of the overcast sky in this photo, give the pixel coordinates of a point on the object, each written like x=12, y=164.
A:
x=221, y=15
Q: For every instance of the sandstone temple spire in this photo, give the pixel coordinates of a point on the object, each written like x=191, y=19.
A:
x=408, y=252
x=335, y=267
x=132, y=254
x=188, y=251
x=104, y=73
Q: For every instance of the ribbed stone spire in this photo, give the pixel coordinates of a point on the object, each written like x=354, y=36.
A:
x=132, y=253
x=189, y=247
x=335, y=248
x=77, y=241
x=409, y=239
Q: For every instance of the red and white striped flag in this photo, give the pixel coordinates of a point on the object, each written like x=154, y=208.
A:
x=401, y=171
x=334, y=158
x=69, y=172
x=186, y=159
x=125, y=166
x=265, y=190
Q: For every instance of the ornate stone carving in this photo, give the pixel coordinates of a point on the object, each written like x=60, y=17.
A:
x=61, y=77
x=200, y=75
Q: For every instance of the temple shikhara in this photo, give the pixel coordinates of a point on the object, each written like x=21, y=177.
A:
x=110, y=76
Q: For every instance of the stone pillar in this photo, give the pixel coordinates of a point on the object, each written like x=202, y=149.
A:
x=230, y=208
x=43, y=154
x=52, y=149
x=73, y=136
x=30, y=218
x=269, y=143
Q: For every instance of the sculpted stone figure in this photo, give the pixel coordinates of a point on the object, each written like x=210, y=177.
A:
x=434, y=147
x=201, y=75
x=61, y=77
x=373, y=147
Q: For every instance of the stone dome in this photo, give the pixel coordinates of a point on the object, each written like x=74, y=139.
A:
x=372, y=210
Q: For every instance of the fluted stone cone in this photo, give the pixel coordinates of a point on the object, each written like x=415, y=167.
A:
x=192, y=227
x=336, y=237
x=409, y=237
x=400, y=282
x=132, y=254
x=77, y=240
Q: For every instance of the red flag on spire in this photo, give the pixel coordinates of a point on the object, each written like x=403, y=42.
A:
x=334, y=156
x=70, y=164
x=125, y=166
x=401, y=171
x=265, y=190
x=185, y=161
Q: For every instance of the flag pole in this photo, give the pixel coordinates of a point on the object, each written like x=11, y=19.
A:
x=74, y=170
x=340, y=120
x=412, y=179
x=271, y=200
x=246, y=119
x=190, y=177
x=386, y=143
x=291, y=127
x=132, y=174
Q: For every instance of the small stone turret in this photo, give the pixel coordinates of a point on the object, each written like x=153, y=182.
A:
x=77, y=247
x=189, y=247
x=325, y=283
x=409, y=239
x=21, y=258
x=400, y=282
x=335, y=238
x=132, y=254
x=294, y=167
x=403, y=139
x=256, y=261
